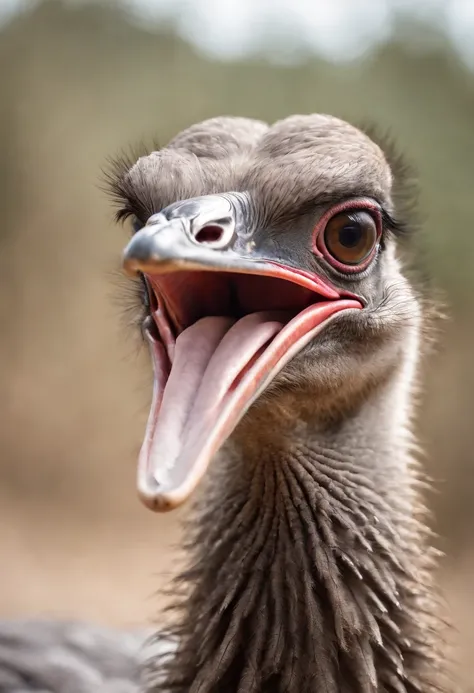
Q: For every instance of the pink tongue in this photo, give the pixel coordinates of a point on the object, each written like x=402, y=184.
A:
x=208, y=357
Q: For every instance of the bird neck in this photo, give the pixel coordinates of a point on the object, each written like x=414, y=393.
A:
x=309, y=569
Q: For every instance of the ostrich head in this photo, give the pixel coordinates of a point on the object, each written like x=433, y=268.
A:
x=270, y=282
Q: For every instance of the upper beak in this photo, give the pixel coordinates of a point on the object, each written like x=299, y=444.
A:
x=212, y=232
x=200, y=233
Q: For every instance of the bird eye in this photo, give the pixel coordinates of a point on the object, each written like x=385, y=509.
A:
x=136, y=225
x=350, y=237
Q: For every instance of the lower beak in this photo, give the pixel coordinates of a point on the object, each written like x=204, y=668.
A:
x=224, y=322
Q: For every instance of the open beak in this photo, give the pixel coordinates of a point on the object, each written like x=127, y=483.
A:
x=225, y=319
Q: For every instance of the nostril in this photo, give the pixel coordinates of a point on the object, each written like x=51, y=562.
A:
x=211, y=233
x=215, y=233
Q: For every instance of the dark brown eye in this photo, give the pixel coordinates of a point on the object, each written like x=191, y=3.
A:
x=351, y=236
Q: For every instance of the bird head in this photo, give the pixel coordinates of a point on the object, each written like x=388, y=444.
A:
x=267, y=255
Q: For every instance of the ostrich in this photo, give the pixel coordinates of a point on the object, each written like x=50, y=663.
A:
x=284, y=339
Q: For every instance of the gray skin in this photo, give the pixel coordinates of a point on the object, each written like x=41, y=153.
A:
x=310, y=567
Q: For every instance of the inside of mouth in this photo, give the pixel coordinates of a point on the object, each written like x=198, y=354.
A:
x=217, y=340
x=183, y=298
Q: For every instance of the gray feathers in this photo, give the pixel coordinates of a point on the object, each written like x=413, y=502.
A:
x=68, y=657
x=285, y=166
x=306, y=572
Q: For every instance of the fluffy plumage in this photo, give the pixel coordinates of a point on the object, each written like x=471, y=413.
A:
x=72, y=657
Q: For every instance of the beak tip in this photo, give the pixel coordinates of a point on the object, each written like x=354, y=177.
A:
x=144, y=254
x=130, y=265
x=138, y=256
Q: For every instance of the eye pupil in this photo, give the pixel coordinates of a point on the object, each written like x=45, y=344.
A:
x=350, y=236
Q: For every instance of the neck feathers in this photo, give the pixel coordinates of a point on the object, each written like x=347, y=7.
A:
x=310, y=569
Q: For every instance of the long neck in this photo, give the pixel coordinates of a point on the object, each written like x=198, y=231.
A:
x=309, y=569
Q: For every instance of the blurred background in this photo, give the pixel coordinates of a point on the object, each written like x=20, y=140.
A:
x=80, y=82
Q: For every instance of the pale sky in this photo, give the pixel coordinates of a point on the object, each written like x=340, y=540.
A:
x=336, y=29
